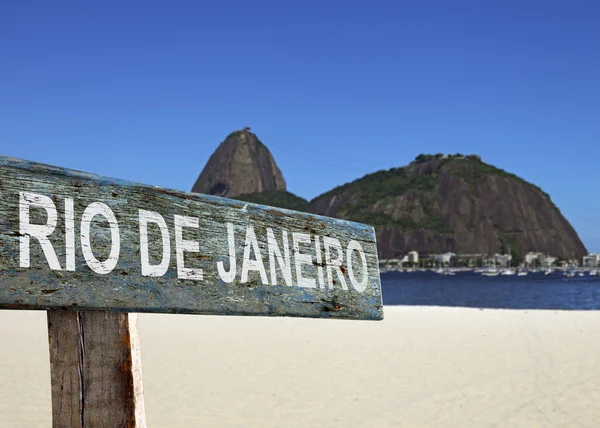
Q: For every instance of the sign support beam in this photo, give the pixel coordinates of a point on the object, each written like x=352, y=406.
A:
x=96, y=377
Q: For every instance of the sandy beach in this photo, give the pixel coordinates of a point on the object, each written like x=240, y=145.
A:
x=420, y=367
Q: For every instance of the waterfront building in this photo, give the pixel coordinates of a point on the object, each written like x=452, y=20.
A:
x=502, y=260
x=591, y=260
x=413, y=257
x=532, y=258
x=547, y=260
x=444, y=259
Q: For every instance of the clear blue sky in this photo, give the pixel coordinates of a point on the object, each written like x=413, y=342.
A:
x=146, y=90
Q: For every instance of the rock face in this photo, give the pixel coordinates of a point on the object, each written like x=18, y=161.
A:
x=240, y=165
x=276, y=198
x=453, y=204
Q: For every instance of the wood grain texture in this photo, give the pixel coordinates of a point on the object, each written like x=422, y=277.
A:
x=125, y=289
x=95, y=366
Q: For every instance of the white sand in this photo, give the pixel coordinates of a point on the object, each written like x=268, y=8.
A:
x=420, y=367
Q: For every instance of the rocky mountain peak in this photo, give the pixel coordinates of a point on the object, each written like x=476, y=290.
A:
x=241, y=164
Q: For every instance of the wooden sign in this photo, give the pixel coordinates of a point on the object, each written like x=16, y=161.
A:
x=77, y=241
x=92, y=249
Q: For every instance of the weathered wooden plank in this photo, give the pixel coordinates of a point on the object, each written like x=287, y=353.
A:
x=95, y=367
x=78, y=241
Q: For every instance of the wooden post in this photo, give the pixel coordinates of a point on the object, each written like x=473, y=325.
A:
x=95, y=368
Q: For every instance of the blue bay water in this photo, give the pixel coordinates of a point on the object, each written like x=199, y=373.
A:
x=470, y=289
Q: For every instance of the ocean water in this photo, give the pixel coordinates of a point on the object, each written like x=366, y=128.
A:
x=469, y=289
